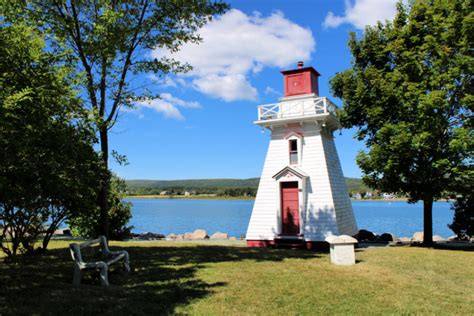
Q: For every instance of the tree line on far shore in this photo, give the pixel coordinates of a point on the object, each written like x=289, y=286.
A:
x=229, y=187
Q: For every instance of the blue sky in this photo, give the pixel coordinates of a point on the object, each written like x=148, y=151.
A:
x=202, y=127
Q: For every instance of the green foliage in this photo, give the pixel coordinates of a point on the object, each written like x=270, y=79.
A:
x=410, y=94
x=221, y=187
x=463, y=221
x=108, y=43
x=194, y=184
x=87, y=224
x=48, y=167
x=356, y=186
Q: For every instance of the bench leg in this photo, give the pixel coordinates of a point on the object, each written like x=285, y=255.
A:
x=104, y=278
x=126, y=262
x=76, y=279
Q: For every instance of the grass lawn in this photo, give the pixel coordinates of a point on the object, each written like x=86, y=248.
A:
x=204, y=278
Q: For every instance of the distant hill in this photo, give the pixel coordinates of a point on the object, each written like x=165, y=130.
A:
x=194, y=183
x=353, y=184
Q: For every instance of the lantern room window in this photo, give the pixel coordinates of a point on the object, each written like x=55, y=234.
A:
x=293, y=144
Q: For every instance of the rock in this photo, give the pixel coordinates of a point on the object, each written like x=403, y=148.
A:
x=386, y=237
x=219, y=235
x=232, y=238
x=179, y=237
x=199, y=234
x=417, y=237
x=453, y=238
x=171, y=237
x=405, y=239
x=438, y=238
x=364, y=235
x=63, y=232
x=151, y=236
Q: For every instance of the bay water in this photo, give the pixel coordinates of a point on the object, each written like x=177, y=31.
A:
x=177, y=216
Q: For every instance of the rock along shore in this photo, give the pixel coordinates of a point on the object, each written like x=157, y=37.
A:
x=198, y=234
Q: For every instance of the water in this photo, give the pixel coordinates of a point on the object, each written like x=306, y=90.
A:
x=179, y=216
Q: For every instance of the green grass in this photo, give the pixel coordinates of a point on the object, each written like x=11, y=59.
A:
x=224, y=278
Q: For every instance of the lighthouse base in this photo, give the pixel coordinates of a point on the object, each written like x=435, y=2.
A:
x=309, y=245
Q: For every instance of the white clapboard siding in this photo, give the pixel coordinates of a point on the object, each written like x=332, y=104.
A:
x=327, y=208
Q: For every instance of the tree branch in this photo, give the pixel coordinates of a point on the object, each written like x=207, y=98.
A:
x=126, y=65
x=78, y=41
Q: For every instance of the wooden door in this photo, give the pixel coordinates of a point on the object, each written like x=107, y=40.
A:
x=290, y=217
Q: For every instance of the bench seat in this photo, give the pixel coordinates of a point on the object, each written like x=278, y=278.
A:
x=108, y=258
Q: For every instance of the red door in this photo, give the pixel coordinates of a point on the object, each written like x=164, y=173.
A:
x=290, y=217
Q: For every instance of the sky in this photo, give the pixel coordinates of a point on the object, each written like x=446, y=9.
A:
x=202, y=126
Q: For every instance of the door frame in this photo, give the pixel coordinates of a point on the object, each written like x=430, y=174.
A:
x=289, y=177
x=282, y=210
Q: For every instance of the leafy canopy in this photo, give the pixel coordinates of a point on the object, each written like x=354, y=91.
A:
x=410, y=95
x=48, y=167
x=108, y=44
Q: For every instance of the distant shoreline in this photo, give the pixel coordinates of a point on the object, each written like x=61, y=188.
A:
x=232, y=198
x=191, y=197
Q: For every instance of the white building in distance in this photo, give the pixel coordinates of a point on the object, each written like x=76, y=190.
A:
x=302, y=196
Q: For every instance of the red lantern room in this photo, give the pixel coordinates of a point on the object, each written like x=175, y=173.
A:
x=303, y=80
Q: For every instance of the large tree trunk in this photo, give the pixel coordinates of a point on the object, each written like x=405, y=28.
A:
x=428, y=221
x=105, y=183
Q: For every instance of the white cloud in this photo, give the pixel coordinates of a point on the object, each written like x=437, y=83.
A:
x=270, y=90
x=163, y=82
x=362, y=13
x=168, y=105
x=236, y=46
x=226, y=87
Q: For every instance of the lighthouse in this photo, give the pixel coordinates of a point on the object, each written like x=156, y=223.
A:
x=302, y=196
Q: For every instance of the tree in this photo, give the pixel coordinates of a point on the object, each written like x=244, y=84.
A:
x=108, y=44
x=463, y=221
x=48, y=166
x=410, y=95
x=86, y=224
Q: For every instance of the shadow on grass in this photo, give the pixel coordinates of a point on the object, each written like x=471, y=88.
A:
x=162, y=279
x=459, y=246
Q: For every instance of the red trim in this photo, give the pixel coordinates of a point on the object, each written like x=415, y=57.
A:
x=300, y=81
x=292, y=71
x=309, y=245
x=260, y=243
x=297, y=134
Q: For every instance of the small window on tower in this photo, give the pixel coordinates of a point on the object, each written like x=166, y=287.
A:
x=293, y=152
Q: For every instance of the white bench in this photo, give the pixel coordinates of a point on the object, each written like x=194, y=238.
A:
x=108, y=258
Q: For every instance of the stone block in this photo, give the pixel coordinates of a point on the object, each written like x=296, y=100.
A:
x=342, y=249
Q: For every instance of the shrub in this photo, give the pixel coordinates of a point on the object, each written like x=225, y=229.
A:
x=120, y=213
x=48, y=165
x=463, y=221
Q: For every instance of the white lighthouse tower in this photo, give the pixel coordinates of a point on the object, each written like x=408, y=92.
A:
x=302, y=197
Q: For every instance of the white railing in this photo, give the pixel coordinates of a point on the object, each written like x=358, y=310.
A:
x=318, y=106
